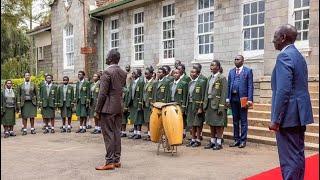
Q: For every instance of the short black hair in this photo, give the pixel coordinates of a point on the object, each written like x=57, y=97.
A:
x=7, y=81
x=114, y=56
x=65, y=77
x=82, y=72
x=27, y=72
x=98, y=74
x=162, y=69
x=198, y=65
x=197, y=69
x=217, y=62
x=183, y=66
x=150, y=69
x=167, y=68
x=139, y=72
x=49, y=75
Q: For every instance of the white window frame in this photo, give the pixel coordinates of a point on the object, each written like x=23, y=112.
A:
x=135, y=62
x=302, y=45
x=65, y=37
x=202, y=57
x=40, y=54
x=114, y=31
x=252, y=54
x=162, y=60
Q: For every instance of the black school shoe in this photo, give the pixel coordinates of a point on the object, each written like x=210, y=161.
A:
x=196, y=144
x=132, y=136
x=123, y=135
x=190, y=144
x=68, y=130
x=83, y=131
x=46, y=131
x=12, y=134
x=210, y=145
x=138, y=136
x=217, y=147
x=63, y=130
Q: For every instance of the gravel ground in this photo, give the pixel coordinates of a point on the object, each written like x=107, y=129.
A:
x=74, y=156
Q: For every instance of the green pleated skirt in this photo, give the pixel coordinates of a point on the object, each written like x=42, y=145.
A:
x=9, y=117
x=66, y=112
x=28, y=110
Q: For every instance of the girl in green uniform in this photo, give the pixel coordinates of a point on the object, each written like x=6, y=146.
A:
x=27, y=102
x=66, y=96
x=48, y=102
x=8, y=109
x=94, y=92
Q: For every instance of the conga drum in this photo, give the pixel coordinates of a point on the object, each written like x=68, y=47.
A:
x=172, y=121
x=155, y=123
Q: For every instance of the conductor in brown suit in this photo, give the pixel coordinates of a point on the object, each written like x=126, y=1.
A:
x=109, y=109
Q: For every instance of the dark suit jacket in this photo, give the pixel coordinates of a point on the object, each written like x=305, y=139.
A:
x=180, y=95
x=291, y=105
x=69, y=96
x=22, y=94
x=52, y=99
x=246, y=83
x=219, y=88
x=84, y=93
x=112, y=82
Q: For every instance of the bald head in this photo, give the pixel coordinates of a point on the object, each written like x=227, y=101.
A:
x=284, y=35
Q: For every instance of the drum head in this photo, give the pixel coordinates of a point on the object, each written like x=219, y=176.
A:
x=160, y=105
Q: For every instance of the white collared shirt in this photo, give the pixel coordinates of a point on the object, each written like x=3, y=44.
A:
x=176, y=82
x=196, y=78
x=240, y=69
x=160, y=80
x=283, y=49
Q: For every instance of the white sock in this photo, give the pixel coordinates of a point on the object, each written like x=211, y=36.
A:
x=47, y=127
x=193, y=140
x=69, y=126
x=213, y=140
x=83, y=127
x=219, y=141
x=11, y=131
x=80, y=127
x=134, y=132
x=32, y=128
x=138, y=132
x=123, y=132
x=198, y=140
x=63, y=126
x=184, y=131
x=148, y=133
x=96, y=127
x=52, y=127
x=99, y=128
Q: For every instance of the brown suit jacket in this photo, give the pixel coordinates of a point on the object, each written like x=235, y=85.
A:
x=112, y=81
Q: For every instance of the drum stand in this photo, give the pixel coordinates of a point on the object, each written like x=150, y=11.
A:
x=164, y=144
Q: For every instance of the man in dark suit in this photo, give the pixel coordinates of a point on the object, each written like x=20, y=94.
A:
x=291, y=106
x=109, y=109
x=240, y=85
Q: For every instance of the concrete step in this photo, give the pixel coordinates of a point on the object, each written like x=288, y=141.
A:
x=267, y=115
x=258, y=122
x=265, y=132
x=315, y=102
x=267, y=107
x=314, y=95
x=262, y=140
x=314, y=88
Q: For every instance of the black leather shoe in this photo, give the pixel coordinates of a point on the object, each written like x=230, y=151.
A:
x=33, y=131
x=217, y=147
x=68, y=130
x=190, y=143
x=46, y=131
x=24, y=133
x=137, y=136
x=201, y=138
x=184, y=136
x=63, y=130
x=132, y=136
x=131, y=130
x=79, y=131
x=242, y=145
x=61, y=127
x=6, y=134
x=12, y=134
x=210, y=145
x=234, y=144
x=89, y=127
x=147, y=138
x=52, y=131
x=123, y=135
x=83, y=131
x=94, y=131
x=196, y=144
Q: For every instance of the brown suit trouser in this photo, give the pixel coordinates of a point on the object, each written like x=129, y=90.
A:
x=111, y=128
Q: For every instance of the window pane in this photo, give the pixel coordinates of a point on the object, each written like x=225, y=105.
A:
x=305, y=35
x=206, y=39
x=207, y=49
x=299, y=36
x=261, y=18
x=298, y=15
x=305, y=2
x=206, y=4
x=200, y=28
x=254, y=7
x=206, y=17
x=211, y=48
x=201, y=4
x=261, y=43
x=246, y=45
x=201, y=49
x=254, y=44
x=246, y=9
x=297, y=3
x=306, y=14
x=211, y=16
x=206, y=27
x=306, y=24
x=200, y=18
x=261, y=31
x=246, y=20
x=246, y=33
x=298, y=25
x=211, y=26
x=201, y=39
x=254, y=32
x=211, y=3
x=164, y=11
x=261, y=6
x=254, y=19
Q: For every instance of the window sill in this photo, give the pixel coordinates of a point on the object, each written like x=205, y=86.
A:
x=256, y=54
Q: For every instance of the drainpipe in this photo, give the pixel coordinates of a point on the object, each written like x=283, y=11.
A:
x=84, y=33
x=101, y=37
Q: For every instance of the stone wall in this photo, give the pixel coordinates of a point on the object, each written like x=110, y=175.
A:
x=45, y=64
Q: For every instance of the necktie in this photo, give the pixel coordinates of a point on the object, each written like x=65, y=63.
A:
x=238, y=71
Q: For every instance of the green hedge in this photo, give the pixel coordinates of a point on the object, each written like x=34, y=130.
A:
x=17, y=82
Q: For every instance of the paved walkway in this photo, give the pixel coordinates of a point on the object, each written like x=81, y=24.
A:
x=74, y=156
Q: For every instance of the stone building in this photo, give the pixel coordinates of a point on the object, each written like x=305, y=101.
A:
x=41, y=46
x=153, y=32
